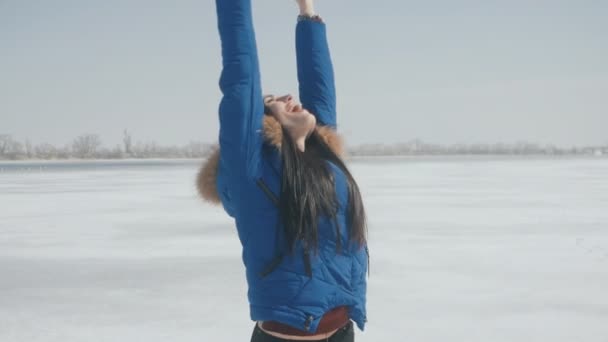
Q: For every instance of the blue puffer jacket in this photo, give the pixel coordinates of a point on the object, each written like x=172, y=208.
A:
x=249, y=152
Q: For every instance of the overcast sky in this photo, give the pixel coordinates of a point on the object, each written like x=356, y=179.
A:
x=442, y=71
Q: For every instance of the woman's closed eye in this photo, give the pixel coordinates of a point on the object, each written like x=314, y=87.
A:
x=269, y=99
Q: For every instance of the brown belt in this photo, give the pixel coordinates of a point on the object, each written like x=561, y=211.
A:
x=332, y=320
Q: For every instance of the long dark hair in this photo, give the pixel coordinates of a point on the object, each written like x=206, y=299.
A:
x=308, y=192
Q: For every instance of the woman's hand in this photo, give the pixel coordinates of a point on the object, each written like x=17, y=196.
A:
x=306, y=7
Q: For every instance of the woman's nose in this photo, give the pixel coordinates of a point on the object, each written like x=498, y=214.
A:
x=286, y=98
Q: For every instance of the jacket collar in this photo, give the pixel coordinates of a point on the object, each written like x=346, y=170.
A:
x=273, y=135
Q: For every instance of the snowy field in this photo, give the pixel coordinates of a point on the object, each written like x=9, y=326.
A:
x=462, y=249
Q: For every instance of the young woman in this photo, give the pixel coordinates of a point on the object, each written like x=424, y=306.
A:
x=279, y=173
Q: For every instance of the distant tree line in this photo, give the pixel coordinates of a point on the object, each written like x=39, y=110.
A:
x=418, y=147
x=89, y=146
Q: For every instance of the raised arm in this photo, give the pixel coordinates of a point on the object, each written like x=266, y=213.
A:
x=241, y=108
x=315, y=70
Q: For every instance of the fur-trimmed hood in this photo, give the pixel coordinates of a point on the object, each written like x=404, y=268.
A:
x=273, y=135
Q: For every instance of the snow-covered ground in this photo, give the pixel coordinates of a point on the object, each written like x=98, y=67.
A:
x=463, y=249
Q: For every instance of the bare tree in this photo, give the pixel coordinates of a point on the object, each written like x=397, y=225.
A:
x=5, y=140
x=196, y=149
x=64, y=152
x=127, y=142
x=10, y=148
x=117, y=153
x=46, y=151
x=85, y=146
x=29, y=150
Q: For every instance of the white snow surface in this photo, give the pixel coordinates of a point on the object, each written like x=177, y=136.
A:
x=462, y=249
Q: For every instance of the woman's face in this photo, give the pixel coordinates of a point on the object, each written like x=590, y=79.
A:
x=285, y=105
x=299, y=122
